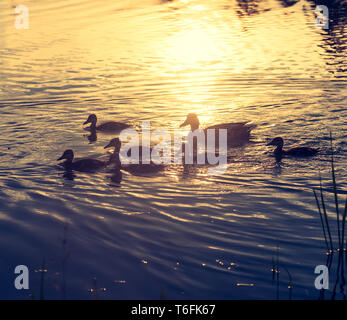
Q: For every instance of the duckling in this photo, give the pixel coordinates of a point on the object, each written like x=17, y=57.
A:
x=117, y=175
x=237, y=133
x=114, y=158
x=133, y=168
x=109, y=126
x=83, y=165
x=117, y=144
x=295, y=151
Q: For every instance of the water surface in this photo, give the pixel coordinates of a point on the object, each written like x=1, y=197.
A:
x=181, y=233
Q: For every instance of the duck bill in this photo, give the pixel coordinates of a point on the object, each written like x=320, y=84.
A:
x=185, y=123
x=61, y=158
x=85, y=122
x=270, y=143
x=108, y=146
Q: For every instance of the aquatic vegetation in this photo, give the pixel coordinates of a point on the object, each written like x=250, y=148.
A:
x=275, y=270
x=322, y=210
x=341, y=247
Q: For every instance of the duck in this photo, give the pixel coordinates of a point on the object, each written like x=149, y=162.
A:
x=109, y=126
x=117, y=175
x=237, y=133
x=114, y=157
x=83, y=165
x=115, y=142
x=133, y=168
x=294, y=151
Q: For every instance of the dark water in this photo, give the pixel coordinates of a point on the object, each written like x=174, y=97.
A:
x=180, y=233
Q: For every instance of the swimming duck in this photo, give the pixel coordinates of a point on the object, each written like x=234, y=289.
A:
x=295, y=151
x=109, y=126
x=114, y=158
x=133, y=168
x=117, y=144
x=84, y=165
x=237, y=133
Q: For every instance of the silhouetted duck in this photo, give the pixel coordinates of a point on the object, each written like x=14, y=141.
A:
x=84, y=165
x=295, y=151
x=109, y=126
x=141, y=149
x=114, y=158
x=237, y=133
x=133, y=168
x=117, y=175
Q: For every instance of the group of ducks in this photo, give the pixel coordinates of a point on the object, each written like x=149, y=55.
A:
x=237, y=134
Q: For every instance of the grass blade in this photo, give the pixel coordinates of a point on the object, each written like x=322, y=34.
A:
x=343, y=225
x=321, y=219
x=290, y=284
x=326, y=216
x=42, y=280
x=278, y=273
x=335, y=192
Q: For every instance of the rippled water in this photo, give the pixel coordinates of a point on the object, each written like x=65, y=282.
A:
x=180, y=233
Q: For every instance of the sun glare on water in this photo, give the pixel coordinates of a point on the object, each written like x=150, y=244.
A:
x=194, y=46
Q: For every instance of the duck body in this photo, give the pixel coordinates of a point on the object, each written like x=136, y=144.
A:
x=110, y=126
x=237, y=133
x=133, y=168
x=83, y=165
x=294, y=151
x=114, y=157
x=143, y=169
x=300, y=152
x=143, y=152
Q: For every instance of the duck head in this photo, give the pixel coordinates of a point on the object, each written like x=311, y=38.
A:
x=192, y=120
x=91, y=119
x=115, y=142
x=278, y=142
x=68, y=155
